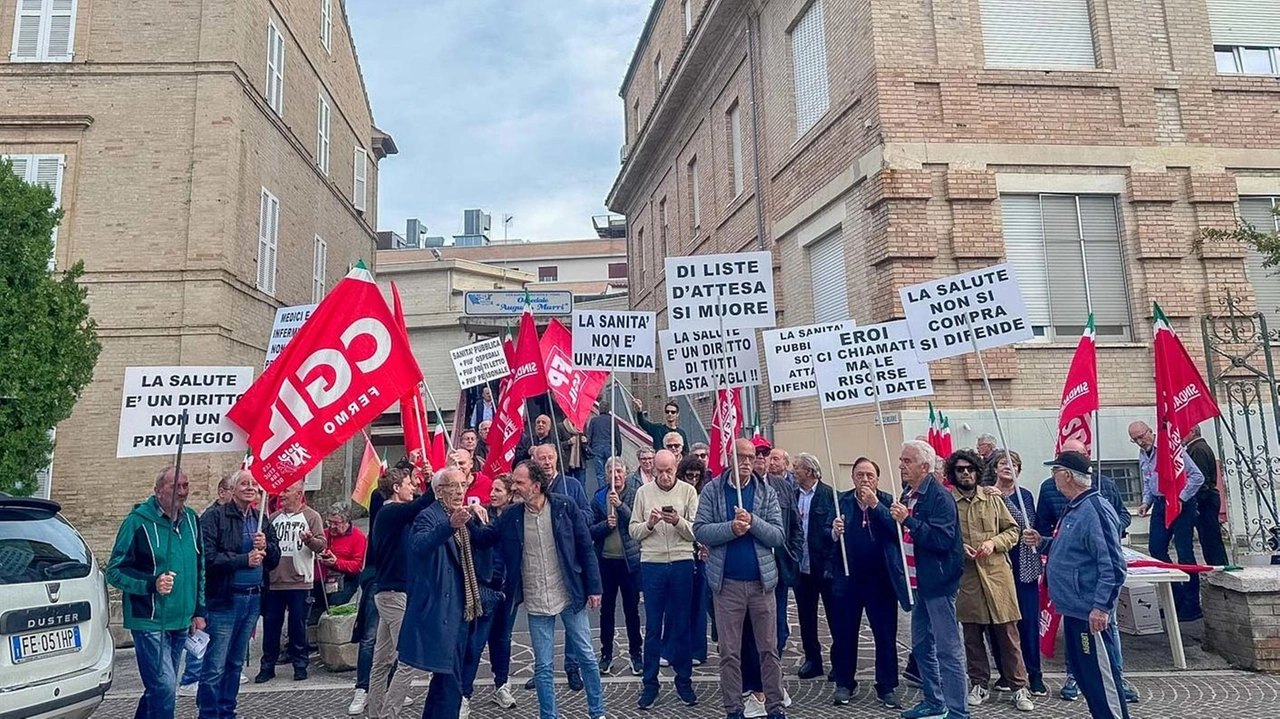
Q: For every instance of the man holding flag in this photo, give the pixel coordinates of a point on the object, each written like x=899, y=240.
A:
x=1164, y=527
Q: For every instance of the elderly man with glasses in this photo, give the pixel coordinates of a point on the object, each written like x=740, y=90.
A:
x=1086, y=569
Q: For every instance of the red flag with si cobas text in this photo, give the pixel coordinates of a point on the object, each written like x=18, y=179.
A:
x=346, y=365
x=1080, y=393
x=574, y=390
x=1182, y=402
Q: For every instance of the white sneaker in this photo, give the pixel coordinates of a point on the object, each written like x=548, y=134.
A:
x=786, y=698
x=978, y=694
x=358, y=701
x=408, y=700
x=244, y=678
x=663, y=662
x=754, y=708
x=465, y=711
x=1022, y=700
x=188, y=690
x=502, y=697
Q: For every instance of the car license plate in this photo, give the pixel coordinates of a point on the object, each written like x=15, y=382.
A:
x=26, y=647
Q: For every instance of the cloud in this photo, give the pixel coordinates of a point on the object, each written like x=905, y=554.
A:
x=506, y=105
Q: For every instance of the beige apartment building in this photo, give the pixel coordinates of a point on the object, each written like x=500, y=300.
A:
x=586, y=267
x=216, y=160
x=873, y=145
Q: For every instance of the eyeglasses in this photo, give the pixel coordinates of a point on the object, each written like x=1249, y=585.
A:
x=1139, y=438
x=675, y=446
x=692, y=475
x=747, y=457
x=673, y=411
x=966, y=469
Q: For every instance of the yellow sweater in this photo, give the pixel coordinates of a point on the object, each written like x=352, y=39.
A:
x=665, y=543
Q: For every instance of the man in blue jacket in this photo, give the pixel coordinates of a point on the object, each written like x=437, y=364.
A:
x=551, y=567
x=442, y=596
x=1085, y=572
x=935, y=561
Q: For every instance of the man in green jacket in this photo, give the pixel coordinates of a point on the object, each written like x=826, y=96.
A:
x=158, y=564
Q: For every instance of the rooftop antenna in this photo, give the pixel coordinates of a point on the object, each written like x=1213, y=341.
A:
x=506, y=222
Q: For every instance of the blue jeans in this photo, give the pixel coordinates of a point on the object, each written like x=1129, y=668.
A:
x=477, y=637
x=1186, y=595
x=600, y=455
x=229, y=629
x=504, y=620
x=784, y=629
x=668, y=595
x=444, y=697
x=364, y=660
x=577, y=645
x=700, y=606
x=158, y=654
x=939, y=651
x=191, y=673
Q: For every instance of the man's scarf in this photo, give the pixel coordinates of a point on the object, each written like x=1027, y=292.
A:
x=470, y=587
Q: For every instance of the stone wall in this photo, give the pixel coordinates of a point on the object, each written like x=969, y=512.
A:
x=1242, y=617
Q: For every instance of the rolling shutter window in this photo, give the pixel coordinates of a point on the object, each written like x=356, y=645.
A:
x=828, y=279
x=809, y=63
x=1034, y=34
x=1066, y=251
x=268, y=242
x=1244, y=23
x=1024, y=249
x=1265, y=280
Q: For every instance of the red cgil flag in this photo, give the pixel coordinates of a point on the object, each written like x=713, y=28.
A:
x=1182, y=402
x=575, y=390
x=526, y=380
x=413, y=409
x=726, y=426
x=346, y=365
x=1080, y=393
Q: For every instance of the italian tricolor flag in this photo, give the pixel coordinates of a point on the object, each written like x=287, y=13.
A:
x=1182, y=402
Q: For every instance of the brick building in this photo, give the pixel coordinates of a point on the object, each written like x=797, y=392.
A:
x=872, y=145
x=215, y=161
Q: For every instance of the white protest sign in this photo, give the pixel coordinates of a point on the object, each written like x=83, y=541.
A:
x=480, y=362
x=609, y=341
x=705, y=288
x=942, y=312
x=788, y=355
x=854, y=363
x=288, y=321
x=155, y=398
x=701, y=361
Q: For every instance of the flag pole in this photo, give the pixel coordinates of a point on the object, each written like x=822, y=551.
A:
x=439, y=416
x=422, y=439
x=826, y=437
x=722, y=383
x=986, y=381
x=894, y=482
x=555, y=426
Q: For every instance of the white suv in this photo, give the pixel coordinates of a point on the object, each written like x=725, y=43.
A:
x=57, y=654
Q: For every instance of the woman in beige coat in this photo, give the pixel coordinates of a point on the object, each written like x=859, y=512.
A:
x=988, y=597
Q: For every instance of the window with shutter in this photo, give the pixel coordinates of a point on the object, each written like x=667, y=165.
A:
x=662, y=225
x=1066, y=251
x=1244, y=23
x=1259, y=212
x=828, y=279
x=268, y=241
x=326, y=24
x=319, y=263
x=44, y=170
x=1037, y=35
x=809, y=62
x=639, y=265
x=44, y=31
x=360, y=190
x=617, y=270
x=275, y=68
x=688, y=16
x=695, y=195
x=548, y=273
x=734, y=122
x=322, y=134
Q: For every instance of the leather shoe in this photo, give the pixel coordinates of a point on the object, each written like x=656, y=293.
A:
x=810, y=670
x=575, y=680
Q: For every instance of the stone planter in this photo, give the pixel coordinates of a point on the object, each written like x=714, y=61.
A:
x=1242, y=617
x=333, y=636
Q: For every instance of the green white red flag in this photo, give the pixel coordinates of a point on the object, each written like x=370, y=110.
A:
x=1080, y=393
x=1182, y=402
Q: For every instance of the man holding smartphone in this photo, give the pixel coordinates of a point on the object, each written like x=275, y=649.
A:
x=662, y=522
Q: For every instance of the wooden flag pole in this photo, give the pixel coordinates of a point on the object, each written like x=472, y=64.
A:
x=826, y=437
x=895, y=483
x=986, y=381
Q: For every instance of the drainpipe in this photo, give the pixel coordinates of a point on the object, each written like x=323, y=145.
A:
x=752, y=30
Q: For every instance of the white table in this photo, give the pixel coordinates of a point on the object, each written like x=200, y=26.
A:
x=1163, y=580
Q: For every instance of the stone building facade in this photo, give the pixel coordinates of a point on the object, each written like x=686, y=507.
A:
x=216, y=160
x=873, y=144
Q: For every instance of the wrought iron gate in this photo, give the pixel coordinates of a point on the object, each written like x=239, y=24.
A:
x=1242, y=379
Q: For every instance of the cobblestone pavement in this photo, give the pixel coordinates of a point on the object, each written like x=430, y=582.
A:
x=1208, y=689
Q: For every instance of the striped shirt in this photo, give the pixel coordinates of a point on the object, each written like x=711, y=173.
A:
x=908, y=545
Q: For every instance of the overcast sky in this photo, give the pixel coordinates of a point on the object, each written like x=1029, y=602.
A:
x=510, y=106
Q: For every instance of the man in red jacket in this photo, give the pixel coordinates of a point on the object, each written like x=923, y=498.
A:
x=343, y=559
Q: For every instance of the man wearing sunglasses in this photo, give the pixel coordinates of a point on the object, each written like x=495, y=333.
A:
x=658, y=432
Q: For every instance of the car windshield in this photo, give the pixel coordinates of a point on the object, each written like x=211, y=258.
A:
x=37, y=546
